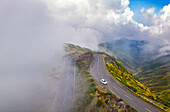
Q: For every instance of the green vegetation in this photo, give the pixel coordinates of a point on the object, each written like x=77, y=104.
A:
x=99, y=103
x=75, y=49
x=90, y=96
x=152, y=70
x=84, y=92
x=118, y=71
x=105, y=101
x=128, y=52
x=85, y=84
x=156, y=76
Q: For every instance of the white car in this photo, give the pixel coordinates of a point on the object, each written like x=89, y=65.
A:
x=103, y=81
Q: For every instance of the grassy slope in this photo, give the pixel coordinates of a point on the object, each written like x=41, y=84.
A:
x=162, y=95
x=90, y=95
x=75, y=49
x=128, y=52
x=156, y=75
x=129, y=64
x=118, y=71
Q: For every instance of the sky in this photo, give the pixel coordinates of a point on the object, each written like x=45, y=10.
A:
x=33, y=33
x=137, y=5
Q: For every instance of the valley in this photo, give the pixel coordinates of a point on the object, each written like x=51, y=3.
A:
x=144, y=91
x=151, y=69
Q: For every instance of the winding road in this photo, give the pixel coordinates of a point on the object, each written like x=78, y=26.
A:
x=64, y=97
x=98, y=71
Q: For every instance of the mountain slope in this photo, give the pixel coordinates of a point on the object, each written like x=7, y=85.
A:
x=128, y=52
x=74, y=49
x=118, y=71
x=91, y=96
x=156, y=75
x=125, y=77
x=151, y=69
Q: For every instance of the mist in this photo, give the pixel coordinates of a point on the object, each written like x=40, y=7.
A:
x=27, y=49
x=33, y=34
x=31, y=54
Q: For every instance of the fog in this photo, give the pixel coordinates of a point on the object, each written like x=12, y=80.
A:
x=28, y=47
x=31, y=52
x=32, y=37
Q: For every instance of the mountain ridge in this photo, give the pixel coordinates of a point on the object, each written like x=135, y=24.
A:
x=153, y=70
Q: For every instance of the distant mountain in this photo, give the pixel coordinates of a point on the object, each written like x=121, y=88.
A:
x=128, y=52
x=153, y=70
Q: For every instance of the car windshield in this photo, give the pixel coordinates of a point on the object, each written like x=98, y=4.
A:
x=103, y=80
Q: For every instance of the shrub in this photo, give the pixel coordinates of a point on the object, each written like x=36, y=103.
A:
x=91, y=80
x=91, y=89
x=120, y=99
x=86, y=72
x=99, y=103
x=106, y=100
x=99, y=95
x=105, y=94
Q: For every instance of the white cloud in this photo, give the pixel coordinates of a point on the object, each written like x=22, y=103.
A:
x=101, y=16
x=125, y=3
x=110, y=19
x=166, y=11
x=159, y=25
x=160, y=21
x=33, y=31
x=149, y=16
x=90, y=13
x=164, y=49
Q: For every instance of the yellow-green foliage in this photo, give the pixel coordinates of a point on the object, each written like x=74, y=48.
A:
x=90, y=96
x=156, y=75
x=75, y=49
x=104, y=100
x=119, y=72
x=84, y=62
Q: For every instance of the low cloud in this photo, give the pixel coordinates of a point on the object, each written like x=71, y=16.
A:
x=112, y=19
x=28, y=46
x=33, y=33
x=158, y=26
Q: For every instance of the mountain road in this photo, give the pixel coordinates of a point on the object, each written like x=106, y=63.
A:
x=64, y=97
x=99, y=71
